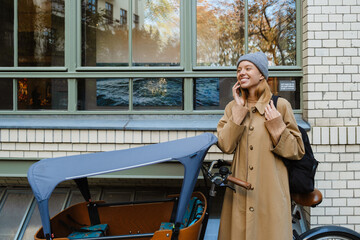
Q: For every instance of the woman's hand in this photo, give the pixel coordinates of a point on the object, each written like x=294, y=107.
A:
x=271, y=112
x=236, y=91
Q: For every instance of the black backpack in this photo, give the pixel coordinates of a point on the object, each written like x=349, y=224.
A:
x=301, y=172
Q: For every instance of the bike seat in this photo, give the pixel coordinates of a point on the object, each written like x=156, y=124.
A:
x=307, y=199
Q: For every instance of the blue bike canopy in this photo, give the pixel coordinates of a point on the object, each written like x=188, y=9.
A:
x=46, y=174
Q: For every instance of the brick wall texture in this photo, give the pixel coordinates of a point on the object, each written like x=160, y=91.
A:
x=331, y=98
x=40, y=143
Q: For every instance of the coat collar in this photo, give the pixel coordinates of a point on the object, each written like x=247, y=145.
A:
x=263, y=102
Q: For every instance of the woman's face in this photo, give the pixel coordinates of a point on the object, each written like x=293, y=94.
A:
x=248, y=75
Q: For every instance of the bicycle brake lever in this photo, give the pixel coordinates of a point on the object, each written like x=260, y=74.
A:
x=231, y=187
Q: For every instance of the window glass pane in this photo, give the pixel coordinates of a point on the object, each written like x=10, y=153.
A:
x=158, y=93
x=42, y=93
x=149, y=195
x=76, y=197
x=109, y=12
x=6, y=94
x=7, y=33
x=287, y=87
x=272, y=29
x=103, y=94
x=156, y=33
x=56, y=202
x=41, y=32
x=12, y=212
x=212, y=93
x=112, y=196
x=220, y=32
x=105, y=35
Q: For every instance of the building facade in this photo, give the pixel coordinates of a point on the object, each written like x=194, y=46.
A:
x=98, y=75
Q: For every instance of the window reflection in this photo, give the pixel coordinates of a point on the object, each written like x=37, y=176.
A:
x=272, y=29
x=6, y=94
x=103, y=94
x=220, y=32
x=123, y=17
x=212, y=93
x=114, y=196
x=42, y=94
x=105, y=40
x=286, y=87
x=109, y=12
x=56, y=203
x=13, y=211
x=76, y=197
x=41, y=32
x=156, y=33
x=7, y=33
x=158, y=93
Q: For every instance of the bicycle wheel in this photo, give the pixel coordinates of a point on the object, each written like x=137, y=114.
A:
x=330, y=233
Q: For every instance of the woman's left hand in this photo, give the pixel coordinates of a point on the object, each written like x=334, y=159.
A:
x=271, y=112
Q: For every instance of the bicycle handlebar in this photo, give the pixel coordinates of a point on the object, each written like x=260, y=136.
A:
x=223, y=176
x=239, y=182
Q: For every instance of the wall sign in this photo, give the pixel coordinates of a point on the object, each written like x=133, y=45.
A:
x=287, y=85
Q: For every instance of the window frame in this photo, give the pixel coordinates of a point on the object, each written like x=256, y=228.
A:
x=73, y=69
x=109, y=8
x=123, y=17
x=297, y=67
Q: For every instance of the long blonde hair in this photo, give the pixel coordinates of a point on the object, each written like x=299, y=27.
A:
x=262, y=88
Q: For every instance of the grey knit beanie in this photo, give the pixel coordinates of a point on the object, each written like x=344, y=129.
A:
x=259, y=59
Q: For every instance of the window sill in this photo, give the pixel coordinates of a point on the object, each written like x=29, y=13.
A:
x=130, y=122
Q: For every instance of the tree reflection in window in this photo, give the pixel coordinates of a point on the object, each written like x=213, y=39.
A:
x=272, y=29
x=221, y=31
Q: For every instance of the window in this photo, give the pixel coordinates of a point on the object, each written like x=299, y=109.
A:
x=109, y=12
x=225, y=30
x=92, y=6
x=123, y=17
x=42, y=94
x=7, y=34
x=41, y=33
x=155, y=36
x=6, y=94
x=222, y=35
x=152, y=58
x=147, y=94
x=13, y=209
x=136, y=19
x=212, y=93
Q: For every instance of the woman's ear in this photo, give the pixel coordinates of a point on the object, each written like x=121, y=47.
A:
x=262, y=77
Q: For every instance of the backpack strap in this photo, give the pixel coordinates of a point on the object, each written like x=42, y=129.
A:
x=275, y=100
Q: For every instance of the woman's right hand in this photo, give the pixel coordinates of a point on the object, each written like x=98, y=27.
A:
x=236, y=94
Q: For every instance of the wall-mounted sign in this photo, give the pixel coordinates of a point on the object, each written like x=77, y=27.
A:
x=287, y=85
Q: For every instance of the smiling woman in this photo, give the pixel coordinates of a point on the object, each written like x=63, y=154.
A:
x=259, y=135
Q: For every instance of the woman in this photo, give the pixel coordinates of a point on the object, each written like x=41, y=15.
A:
x=259, y=135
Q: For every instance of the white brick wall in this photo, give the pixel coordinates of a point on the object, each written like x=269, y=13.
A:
x=331, y=58
x=70, y=142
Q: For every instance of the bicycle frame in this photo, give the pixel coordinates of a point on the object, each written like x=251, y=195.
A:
x=299, y=222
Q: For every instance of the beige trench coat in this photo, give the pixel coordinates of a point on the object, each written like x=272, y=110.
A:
x=263, y=213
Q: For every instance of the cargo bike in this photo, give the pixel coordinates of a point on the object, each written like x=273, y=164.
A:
x=178, y=217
